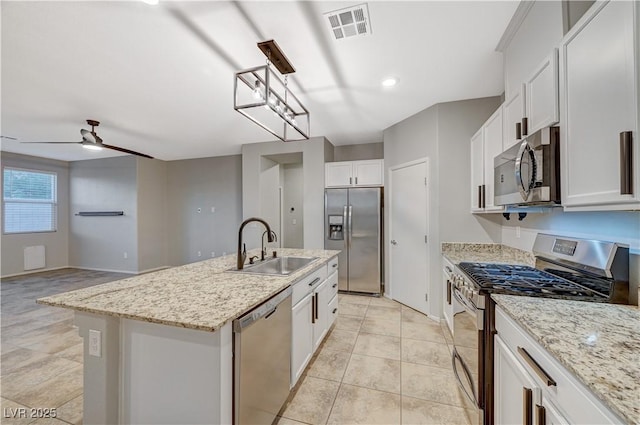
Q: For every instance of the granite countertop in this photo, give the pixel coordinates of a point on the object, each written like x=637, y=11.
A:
x=203, y=295
x=486, y=253
x=598, y=343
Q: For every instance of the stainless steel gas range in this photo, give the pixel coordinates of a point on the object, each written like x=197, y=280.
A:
x=567, y=268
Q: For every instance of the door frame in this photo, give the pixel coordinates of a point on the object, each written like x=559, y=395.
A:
x=426, y=162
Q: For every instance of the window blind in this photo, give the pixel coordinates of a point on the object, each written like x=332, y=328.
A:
x=30, y=201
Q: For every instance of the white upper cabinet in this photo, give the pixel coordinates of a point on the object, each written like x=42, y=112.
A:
x=541, y=94
x=492, y=148
x=485, y=145
x=477, y=171
x=354, y=173
x=599, y=104
x=513, y=112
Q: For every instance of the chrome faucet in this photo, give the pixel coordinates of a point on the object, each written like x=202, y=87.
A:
x=242, y=248
x=264, y=245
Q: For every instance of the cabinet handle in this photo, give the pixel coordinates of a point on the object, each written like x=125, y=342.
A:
x=536, y=368
x=447, y=268
x=527, y=406
x=350, y=180
x=518, y=131
x=484, y=196
x=626, y=163
x=525, y=126
x=479, y=196
x=335, y=265
x=316, y=300
x=334, y=285
x=334, y=310
x=356, y=180
x=314, y=281
x=448, y=292
x=313, y=309
x=541, y=414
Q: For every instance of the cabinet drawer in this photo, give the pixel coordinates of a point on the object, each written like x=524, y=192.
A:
x=332, y=265
x=333, y=284
x=306, y=284
x=578, y=403
x=333, y=311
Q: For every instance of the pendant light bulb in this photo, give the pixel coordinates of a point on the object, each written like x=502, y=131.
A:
x=257, y=92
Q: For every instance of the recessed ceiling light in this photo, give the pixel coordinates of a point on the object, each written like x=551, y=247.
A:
x=151, y=2
x=389, y=82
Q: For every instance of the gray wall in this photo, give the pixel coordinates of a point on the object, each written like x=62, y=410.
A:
x=441, y=133
x=314, y=152
x=56, y=243
x=108, y=184
x=203, y=183
x=293, y=234
x=358, y=152
x=152, y=214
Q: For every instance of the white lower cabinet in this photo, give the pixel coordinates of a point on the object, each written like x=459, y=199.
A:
x=314, y=310
x=556, y=396
x=301, y=337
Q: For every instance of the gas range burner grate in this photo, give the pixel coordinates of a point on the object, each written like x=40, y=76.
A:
x=525, y=280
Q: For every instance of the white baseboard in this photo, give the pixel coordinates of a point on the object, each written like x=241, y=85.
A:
x=35, y=271
x=155, y=269
x=95, y=269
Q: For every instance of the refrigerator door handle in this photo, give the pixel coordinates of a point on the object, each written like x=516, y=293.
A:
x=350, y=234
x=345, y=224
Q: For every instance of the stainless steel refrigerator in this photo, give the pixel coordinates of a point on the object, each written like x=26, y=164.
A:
x=353, y=224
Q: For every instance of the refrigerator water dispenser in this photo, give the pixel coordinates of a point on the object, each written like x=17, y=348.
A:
x=336, y=223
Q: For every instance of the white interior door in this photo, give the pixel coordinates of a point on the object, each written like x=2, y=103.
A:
x=408, y=219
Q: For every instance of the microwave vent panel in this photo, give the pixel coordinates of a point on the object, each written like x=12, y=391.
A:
x=349, y=22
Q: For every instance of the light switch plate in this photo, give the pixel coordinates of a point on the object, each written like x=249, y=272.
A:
x=95, y=343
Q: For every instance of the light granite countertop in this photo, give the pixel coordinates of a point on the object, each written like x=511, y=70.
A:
x=458, y=252
x=203, y=295
x=599, y=343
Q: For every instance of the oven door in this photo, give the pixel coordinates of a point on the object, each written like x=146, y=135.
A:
x=467, y=340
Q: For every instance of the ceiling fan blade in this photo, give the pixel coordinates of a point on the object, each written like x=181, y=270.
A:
x=57, y=143
x=116, y=148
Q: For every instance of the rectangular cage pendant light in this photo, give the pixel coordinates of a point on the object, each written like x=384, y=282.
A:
x=263, y=97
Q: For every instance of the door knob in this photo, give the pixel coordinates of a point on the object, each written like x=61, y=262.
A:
x=393, y=242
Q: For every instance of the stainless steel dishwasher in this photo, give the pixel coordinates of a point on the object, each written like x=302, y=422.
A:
x=262, y=360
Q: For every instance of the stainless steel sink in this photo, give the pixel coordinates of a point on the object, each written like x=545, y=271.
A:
x=278, y=266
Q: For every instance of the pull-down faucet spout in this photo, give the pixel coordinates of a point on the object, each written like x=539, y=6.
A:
x=242, y=250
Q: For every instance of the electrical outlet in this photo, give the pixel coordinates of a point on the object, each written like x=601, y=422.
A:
x=518, y=232
x=95, y=343
x=125, y=255
x=199, y=253
x=213, y=209
x=294, y=221
x=213, y=254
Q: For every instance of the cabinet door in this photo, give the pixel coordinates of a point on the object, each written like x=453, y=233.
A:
x=338, y=174
x=541, y=94
x=515, y=392
x=447, y=302
x=321, y=310
x=548, y=414
x=333, y=311
x=513, y=112
x=368, y=173
x=492, y=148
x=302, y=337
x=599, y=101
x=477, y=171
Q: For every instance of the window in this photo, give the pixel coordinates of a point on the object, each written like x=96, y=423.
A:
x=30, y=201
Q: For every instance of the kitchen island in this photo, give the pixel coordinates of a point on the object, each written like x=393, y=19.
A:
x=158, y=347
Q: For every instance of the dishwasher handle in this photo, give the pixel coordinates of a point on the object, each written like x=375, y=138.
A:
x=263, y=311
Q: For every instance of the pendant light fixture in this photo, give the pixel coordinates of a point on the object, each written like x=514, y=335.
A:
x=263, y=97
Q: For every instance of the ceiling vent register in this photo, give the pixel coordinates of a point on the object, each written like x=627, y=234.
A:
x=349, y=22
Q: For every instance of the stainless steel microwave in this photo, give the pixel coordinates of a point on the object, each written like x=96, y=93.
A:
x=528, y=173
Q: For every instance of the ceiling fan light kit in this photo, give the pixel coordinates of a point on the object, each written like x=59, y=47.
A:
x=263, y=97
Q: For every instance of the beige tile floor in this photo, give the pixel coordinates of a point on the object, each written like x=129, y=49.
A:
x=382, y=363
x=41, y=352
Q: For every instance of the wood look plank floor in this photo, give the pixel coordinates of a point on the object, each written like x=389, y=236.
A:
x=382, y=363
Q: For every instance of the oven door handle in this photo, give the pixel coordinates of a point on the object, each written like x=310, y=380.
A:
x=472, y=397
x=456, y=294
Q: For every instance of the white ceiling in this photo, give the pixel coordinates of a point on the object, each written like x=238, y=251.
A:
x=160, y=78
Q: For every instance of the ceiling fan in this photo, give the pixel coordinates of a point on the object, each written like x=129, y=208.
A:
x=91, y=140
